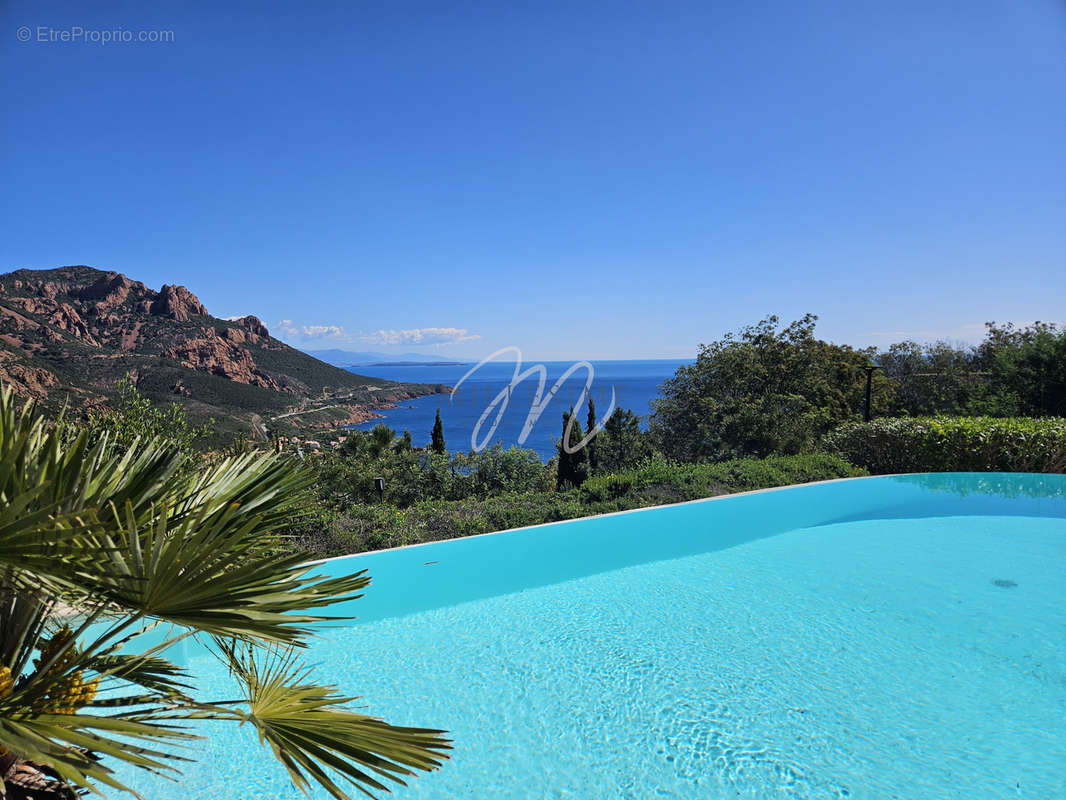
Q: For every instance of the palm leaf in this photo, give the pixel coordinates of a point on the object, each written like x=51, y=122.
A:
x=314, y=735
x=132, y=538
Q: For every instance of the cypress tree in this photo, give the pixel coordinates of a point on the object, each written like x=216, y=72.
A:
x=437, y=437
x=591, y=446
x=573, y=467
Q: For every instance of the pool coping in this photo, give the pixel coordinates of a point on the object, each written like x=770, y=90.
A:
x=644, y=508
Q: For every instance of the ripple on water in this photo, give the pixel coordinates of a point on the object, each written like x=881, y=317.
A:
x=862, y=660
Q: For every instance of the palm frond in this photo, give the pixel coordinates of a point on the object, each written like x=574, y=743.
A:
x=63, y=742
x=130, y=538
x=210, y=571
x=313, y=733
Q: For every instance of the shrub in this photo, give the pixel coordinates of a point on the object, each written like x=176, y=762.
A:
x=376, y=525
x=411, y=476
x=660, y=481
x=355, y=530
x=953, y=444
x=443, y=519
x=495, y=470
x=134, y=416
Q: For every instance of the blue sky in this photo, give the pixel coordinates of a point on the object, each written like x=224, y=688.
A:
x=582, y=180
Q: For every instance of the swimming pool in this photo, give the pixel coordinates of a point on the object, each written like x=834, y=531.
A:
x=890, y=637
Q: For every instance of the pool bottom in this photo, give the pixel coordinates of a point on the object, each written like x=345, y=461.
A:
x=881, y=659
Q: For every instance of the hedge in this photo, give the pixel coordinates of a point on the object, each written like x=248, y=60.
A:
x=375, y=526
x=953, y=444
x=660, y=481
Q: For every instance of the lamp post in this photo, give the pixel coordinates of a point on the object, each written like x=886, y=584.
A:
x=869, y=384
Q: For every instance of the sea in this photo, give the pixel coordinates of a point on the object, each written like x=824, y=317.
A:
x=634, y=385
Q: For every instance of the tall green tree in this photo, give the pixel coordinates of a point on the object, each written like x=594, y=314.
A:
x=437, y=436
x=133, y=541
x=622, y=444
x=768, y=390
x=1026, y=368
x=1013, y=372
x=592, y=446
x=936, y=378
x=572, y=468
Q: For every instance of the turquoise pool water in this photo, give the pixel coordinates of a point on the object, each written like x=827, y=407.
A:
x=897, y=637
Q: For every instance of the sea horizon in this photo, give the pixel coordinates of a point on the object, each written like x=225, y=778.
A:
x=635, y=383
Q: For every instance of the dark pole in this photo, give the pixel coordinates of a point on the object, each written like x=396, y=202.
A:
x=869, y=383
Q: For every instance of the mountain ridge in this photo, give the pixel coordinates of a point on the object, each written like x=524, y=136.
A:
x=69, y=334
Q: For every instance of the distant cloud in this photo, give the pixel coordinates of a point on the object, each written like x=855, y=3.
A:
x=435, y=336
x=336, y=333
x=323, y=331
x=290, y=330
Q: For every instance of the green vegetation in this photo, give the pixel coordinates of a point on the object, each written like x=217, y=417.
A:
x=346, y=476
x=592, y=448
x=573, y=464
x=100, y=544
x=1013, y=372
x=373, y=527
x=429, y=497
x=621, y=443
x=1027, y=369
x=657, y=481
x=133, y=416
x=953, y=444
x=775, y=390
x=437, y=436
x=768, y=391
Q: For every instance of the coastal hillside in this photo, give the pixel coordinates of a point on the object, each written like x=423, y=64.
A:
x=69, y=335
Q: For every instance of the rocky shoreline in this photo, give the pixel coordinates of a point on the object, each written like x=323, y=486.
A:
x=358, y=413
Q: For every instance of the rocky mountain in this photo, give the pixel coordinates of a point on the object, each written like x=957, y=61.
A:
x=68, y=335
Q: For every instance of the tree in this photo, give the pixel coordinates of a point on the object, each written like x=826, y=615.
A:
x=1027, y=370
x=572, y=467
x=622, y=444
x=1013, y=372
x=932, y=378
x=767, y=391
x=133, y=541
x=592, y=447
x=380, y=442
x=437, y=437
